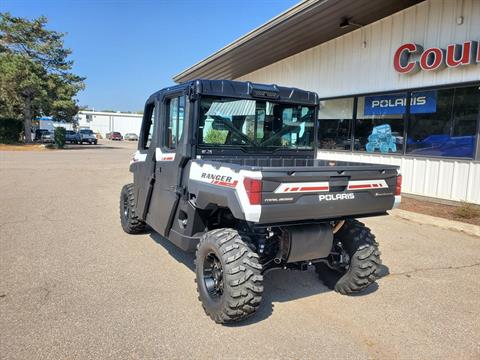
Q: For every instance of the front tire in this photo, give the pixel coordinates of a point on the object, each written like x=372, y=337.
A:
x=228, y=276
x=131, y=223
x=356, y=243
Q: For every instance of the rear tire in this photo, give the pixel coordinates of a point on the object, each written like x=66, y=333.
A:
x=131, y=223
x=364, y=260
x=228, y=276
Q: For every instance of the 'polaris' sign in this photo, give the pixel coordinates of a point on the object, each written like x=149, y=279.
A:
x=395, y=104
x=435, y=58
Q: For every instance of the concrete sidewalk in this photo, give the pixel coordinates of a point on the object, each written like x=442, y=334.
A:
x=437, y=221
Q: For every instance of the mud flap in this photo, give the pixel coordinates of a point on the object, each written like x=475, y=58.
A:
x=309, y=242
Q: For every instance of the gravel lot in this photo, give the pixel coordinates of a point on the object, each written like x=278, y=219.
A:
x=74, y=286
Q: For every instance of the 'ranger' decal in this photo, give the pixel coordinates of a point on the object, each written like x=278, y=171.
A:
x=222, y=180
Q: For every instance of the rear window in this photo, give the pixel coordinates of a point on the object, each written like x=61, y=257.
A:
x=70, y=132
x=86, y=132
x=116, y=133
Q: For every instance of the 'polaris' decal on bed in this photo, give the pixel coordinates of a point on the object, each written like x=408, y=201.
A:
x=306, y=187
x=334, y=197
x=367, y=184
x=222, y=180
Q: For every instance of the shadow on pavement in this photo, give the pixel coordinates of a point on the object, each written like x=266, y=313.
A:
x=280, y=285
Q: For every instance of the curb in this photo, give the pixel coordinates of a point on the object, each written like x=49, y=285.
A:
x=469, y=229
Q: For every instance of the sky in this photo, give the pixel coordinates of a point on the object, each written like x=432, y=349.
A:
x=129, y=49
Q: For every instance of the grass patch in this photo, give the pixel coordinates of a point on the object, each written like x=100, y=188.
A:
x=467, y=211
x=22, y=147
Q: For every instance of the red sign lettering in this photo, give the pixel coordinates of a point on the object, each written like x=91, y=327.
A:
x=432, y=59
x=478, y=52
x=460, y=54
x=411, y=57
x=401, y=61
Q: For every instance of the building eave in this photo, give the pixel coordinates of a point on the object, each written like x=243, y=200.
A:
x=307, y=24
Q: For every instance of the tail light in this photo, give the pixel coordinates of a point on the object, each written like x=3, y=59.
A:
x=398, y=186
x=254, y=190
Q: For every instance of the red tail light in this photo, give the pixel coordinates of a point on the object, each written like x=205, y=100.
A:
x=398, y=187
x=254, y=190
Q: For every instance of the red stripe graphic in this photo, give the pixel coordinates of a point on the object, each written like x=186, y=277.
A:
x=366, y=186
x=314, y=188
x=299, y=188
x=223, y=183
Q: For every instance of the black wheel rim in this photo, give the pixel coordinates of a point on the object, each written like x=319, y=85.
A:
x=126, y=209
x=213, y=275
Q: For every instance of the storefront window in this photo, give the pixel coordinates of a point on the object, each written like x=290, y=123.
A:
x=448, y=127
x=379, y=124
x=335, y=130
x=440, y=122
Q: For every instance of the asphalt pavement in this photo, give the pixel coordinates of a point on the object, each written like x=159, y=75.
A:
x=73, y=285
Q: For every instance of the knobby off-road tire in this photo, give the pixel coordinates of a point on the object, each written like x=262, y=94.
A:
x=237, y=293
x=361, y=247
x=131, y=224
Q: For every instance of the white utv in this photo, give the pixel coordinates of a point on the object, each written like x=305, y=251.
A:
x=229, y=170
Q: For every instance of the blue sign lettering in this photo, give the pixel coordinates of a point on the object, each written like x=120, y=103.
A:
x=395, y=104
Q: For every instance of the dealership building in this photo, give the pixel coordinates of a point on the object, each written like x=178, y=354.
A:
x=103, y=122
x=398, y=82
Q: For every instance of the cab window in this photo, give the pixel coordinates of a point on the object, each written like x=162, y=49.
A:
x=147, y=127
x=174, y=123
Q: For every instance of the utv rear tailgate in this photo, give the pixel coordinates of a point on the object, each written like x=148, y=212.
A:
x=327, y=190
x=316, y=190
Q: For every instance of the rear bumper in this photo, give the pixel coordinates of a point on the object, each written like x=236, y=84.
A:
x=310, y=207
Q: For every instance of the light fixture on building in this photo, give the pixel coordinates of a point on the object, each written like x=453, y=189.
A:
x=460, y=20
x=346, y=22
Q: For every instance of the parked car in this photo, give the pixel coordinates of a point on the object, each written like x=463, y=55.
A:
x=86, y=135
x=116, y=136
x=47, y=137
x=39, y=133
x=71, y=137
x=131, y=137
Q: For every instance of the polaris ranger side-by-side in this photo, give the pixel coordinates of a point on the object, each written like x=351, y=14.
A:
x=228, y=169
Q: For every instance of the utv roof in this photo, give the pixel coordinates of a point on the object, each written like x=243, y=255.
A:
x=244, y=90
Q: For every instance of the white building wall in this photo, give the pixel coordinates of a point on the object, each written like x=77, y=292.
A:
x=457, y=180
x=105, y=122
x=343, y=66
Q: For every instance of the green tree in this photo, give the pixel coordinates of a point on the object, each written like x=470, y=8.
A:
x=216, y=137
x=35, y=72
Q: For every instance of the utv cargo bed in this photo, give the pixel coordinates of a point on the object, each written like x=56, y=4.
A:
x=311, y=190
